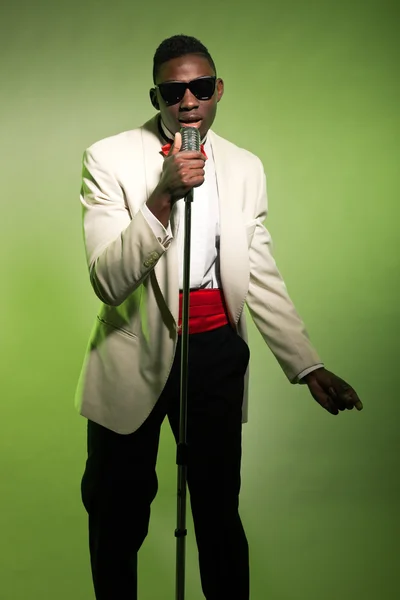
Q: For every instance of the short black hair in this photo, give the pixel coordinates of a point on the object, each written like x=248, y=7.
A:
x=176, y=46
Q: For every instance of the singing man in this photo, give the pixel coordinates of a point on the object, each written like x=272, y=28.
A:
x=133, y=190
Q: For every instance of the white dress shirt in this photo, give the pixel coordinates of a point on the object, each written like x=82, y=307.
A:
x=204, y=250
x=204, y=255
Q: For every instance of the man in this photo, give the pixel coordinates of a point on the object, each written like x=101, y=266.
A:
x=133, y=186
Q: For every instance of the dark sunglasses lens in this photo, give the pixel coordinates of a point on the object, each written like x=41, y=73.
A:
x=204, y=88
x=172, y=93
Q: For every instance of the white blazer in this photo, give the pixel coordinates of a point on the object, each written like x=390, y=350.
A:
x=133, y=341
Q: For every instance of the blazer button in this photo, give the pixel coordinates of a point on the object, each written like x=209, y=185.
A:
x=151, y=260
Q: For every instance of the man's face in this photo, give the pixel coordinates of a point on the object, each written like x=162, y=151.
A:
x=189, y=111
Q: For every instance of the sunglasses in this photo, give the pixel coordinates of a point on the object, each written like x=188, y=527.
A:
x=172, y=92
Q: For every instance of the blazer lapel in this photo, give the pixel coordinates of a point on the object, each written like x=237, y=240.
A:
x=234, y=261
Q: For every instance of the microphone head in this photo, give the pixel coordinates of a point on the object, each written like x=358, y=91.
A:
x=190, y=139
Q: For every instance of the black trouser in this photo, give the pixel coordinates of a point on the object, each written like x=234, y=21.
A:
x=120, y=480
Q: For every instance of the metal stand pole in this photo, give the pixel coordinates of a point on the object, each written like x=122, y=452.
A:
x=182, y=449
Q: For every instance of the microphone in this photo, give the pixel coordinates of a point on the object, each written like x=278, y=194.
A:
x=190, y=139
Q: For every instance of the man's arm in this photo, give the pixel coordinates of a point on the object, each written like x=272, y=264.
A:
x=269, y=303
x=276, y=318
x=121, y=251
x=122, y=248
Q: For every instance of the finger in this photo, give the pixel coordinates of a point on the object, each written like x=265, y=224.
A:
x=197, y=182
x=189, y=163
x=323, y=398
x=187, y=175
x=349, y=396
x=193, y=174
x=336, y=399
x=354, y=401
x=176, y=146
x=194, y=181
x=191, y=155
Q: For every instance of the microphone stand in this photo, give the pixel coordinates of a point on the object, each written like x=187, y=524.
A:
x=190, y=141
x=182, y=448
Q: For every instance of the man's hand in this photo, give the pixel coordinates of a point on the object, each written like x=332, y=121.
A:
x=331, y=392
x=182, y=171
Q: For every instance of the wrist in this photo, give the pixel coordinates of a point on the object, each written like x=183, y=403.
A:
x=160, y=204
x=311, y=376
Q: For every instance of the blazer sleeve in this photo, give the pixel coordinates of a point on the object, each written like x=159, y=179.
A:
x=121, y=249
x=269, y=303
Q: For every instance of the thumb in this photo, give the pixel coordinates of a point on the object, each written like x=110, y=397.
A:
x=176, y=146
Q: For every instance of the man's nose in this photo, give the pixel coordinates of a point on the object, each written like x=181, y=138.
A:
x=189, y=101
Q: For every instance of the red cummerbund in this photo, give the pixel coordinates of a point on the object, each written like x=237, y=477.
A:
x=207, y=310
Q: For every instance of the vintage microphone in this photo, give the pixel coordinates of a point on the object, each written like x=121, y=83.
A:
x=190, y=141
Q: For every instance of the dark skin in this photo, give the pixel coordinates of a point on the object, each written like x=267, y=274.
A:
x=183, y=171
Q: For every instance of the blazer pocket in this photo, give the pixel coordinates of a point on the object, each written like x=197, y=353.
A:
x=120, y=330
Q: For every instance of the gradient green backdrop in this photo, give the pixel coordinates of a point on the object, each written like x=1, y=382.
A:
x=313, y=89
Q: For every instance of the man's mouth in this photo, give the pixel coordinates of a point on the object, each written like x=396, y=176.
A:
x=191, y=121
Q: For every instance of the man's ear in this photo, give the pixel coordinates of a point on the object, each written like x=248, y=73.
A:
x=153, y=98
x=220, y=88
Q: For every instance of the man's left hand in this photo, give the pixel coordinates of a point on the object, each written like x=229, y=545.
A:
x=332, y=392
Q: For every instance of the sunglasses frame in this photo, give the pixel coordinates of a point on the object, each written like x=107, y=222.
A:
x=186, y=85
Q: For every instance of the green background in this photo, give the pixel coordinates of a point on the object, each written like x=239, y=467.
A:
x=313, y=89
